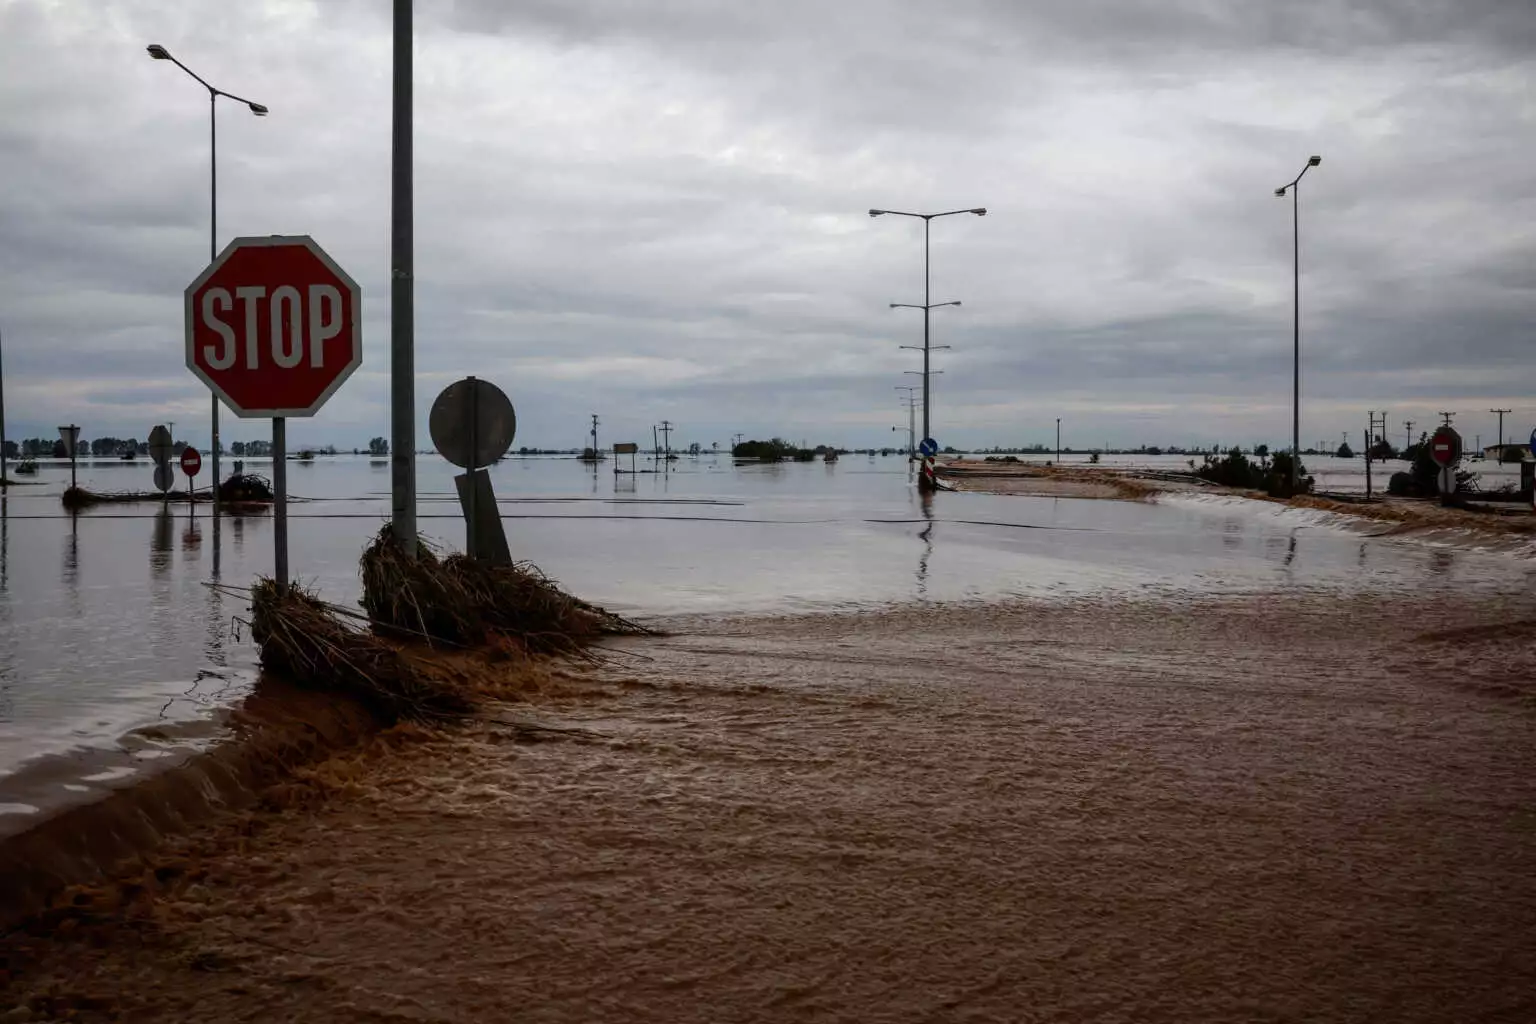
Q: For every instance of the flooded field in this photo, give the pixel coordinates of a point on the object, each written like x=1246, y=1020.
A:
x=116, y=654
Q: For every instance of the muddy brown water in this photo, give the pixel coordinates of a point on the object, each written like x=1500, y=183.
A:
x=1298, y=807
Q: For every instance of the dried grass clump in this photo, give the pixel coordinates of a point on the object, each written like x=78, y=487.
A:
x=461, y=601
x=246, y=487
x=305, y=640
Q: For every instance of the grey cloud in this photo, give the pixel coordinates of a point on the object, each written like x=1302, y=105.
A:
x=656, y=209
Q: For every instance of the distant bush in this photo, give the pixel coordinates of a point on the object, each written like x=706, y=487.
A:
x=1272, y=475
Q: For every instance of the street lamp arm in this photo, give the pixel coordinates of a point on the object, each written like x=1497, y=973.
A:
x=259, y=109
x=1311, y=162
x=980, y=211
x=159, y=52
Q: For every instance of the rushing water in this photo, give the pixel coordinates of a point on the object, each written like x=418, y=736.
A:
x=115, y=651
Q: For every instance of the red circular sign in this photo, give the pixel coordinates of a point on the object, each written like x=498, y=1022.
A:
x=1445, y=446
x=274, y=326
x=191, y=461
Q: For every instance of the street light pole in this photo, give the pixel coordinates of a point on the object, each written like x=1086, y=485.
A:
x=1294, y=187
x=928, y=303
x=1058, y=442
x=158, y=52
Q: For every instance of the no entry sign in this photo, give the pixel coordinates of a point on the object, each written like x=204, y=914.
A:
x=191, y=461
x=1445, y=446
x=274, y=326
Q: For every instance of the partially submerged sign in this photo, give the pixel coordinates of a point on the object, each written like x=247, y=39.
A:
x=472, y=423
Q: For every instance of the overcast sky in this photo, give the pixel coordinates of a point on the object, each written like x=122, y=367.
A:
x=656, y=209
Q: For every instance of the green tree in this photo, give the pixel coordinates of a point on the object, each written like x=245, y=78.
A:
x=1344, y=452
x=378, y=446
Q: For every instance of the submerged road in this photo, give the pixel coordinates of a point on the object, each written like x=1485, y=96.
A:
x=1300, y=807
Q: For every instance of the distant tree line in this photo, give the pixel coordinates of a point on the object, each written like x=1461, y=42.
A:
x=777, y=450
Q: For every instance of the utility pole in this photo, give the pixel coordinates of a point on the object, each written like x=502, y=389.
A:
x=928, y=305
x=1501, y=413
x=655, y=444
x=1407, y=434
x=1447, y=416
x=666, y=432
x=911, y=403
x=402, y=294
x=737, y=443
x=594, y=435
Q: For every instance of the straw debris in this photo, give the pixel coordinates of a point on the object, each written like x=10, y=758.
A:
x=306, y=641
x=460, y=601
x=246, y=487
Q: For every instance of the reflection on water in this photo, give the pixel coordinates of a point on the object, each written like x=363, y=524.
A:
x=925, y=503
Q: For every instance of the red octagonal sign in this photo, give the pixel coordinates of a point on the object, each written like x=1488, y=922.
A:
x=274, y=326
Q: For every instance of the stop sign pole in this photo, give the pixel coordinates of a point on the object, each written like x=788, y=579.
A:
x=274, y=327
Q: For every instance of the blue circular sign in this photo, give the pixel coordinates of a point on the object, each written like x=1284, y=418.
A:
x=928, y=446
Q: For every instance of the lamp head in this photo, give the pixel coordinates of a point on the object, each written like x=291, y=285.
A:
x=258, y=109
x=980, y=211
x=1280, y=192
x=1313, y=161
x=158, y=52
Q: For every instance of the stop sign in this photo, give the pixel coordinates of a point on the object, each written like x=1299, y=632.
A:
x=1445, y=446
x=274, y=326
x=191, y=461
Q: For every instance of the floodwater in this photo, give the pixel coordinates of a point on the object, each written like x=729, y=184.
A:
x=1164, y=810
x=986, y=758
x=115, y=652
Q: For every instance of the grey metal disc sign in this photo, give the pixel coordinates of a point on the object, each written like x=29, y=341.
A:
x=160, y=445
x=472, y=423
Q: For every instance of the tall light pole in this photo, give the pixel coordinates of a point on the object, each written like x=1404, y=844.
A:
x=928, y=303
x=159, y=52
x=1058, y=442
x=1294, y=188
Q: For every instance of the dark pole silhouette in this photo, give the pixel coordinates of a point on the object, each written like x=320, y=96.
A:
x=1294, y=188
x=928, y=303
x=159, y=52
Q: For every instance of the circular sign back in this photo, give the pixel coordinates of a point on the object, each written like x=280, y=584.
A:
x=472, y=408
x=160, y=445
x=1445, y=446
x=165, y=477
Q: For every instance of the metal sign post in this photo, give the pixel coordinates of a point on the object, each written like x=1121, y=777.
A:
x=280, y=501
x=472, y=423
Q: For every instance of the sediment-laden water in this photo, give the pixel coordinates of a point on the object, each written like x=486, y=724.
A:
x=1299, y=806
